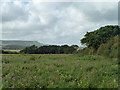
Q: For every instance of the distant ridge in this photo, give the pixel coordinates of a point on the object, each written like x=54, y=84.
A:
x=17, y=44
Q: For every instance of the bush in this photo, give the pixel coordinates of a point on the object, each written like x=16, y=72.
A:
x=87, y=51
x=109, y=49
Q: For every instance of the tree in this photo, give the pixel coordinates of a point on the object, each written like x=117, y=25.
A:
x=102, y=35
x=29, y=50
x=51, y=49
x=75, y=46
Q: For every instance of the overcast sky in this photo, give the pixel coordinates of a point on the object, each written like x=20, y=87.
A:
x=55, y=22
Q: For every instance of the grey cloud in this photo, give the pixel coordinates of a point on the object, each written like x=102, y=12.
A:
x=11, y=12
x=56, y=23
x=105, y=14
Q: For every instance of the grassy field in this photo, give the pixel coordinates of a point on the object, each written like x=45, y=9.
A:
x=59, y=71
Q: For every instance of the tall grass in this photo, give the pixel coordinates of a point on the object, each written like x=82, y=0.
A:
x=59, y=71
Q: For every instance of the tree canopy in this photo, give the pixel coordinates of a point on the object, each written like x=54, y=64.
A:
x=102, y=35
x=51, y=49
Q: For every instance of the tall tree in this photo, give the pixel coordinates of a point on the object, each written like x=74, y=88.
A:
x=102, y=35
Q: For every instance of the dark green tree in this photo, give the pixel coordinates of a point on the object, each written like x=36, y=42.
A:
x=51, y=49
x=29, y=50
x=102, y=35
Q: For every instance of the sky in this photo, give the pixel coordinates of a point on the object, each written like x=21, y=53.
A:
x=55, y=23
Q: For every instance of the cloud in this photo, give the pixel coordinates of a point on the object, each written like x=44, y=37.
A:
x=53, y=22
x=14, y=11
x=101, y=12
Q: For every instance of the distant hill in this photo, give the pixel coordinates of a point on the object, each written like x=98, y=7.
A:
x=17, y=44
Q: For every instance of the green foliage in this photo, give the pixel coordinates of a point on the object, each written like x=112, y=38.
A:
x=110, y=48
x=103, y=41
x=100, y=36
x=51, y=49
x=87, y=51
x=29, y=50
x=75, y=46
x=59, y=71
x=8, y=52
